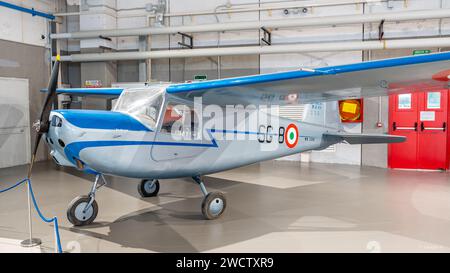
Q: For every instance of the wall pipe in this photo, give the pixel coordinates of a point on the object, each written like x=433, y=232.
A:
x=31, y=11
x=252, y=50
x=279, y=23
x=266, y=7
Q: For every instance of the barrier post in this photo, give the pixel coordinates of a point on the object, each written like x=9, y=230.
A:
x=30, y=242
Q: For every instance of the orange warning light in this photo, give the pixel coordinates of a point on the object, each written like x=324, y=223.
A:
x=351, y=110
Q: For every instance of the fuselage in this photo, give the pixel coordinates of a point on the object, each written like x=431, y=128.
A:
x=118, y=143
x=149, y=134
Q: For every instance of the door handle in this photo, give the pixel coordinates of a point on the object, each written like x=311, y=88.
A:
x=443, y=128
x=395, y=127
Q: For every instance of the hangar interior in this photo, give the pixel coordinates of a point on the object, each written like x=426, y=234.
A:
x=346, y=198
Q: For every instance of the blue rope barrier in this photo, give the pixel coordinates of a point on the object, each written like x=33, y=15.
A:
x=13, y=186
x=43, y=218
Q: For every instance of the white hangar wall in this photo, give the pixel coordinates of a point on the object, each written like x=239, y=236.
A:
x=22, y=27
x=24, y=57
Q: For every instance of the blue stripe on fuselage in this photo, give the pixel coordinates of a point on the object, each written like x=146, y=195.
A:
x=103, y=120
x=238, y=132
x=73, y=149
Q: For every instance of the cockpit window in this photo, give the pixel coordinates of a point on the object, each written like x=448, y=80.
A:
x=144, y=104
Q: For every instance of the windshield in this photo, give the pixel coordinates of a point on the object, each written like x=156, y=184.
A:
x=144, y=104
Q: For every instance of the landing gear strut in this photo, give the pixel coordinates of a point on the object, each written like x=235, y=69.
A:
x=83, y=209
x=213, y=204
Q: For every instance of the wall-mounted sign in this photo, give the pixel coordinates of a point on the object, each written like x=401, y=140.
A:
x=200, y=78
x=434, y=100
x=93, y=83
x=421, y=51
x=404, y=101
x=427, y=116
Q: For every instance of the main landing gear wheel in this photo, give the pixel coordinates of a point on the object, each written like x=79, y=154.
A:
x=80, y=215
x=148, y=188
x=213, y=205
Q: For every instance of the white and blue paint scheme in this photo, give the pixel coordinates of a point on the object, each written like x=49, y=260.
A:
x=133, y=139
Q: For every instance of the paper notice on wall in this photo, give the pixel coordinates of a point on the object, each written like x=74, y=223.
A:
x=427, y=115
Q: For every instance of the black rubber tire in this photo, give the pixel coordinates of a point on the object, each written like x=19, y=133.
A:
x=73, y=205
x=143, y=192
x=209, y=198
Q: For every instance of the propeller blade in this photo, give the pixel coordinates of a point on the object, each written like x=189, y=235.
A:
x=51, y=96
x=33, y=155
x=42, y=125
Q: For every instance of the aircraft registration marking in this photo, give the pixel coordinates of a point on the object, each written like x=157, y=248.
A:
x=288, y=135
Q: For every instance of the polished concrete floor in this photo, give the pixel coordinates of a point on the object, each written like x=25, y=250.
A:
x=275, y=206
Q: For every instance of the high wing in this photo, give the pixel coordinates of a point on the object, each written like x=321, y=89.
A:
x=93, y=92
x=365, y=79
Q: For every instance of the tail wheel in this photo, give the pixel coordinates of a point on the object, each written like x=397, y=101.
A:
x=148, y=188
x=78, y=214
x=213, y=205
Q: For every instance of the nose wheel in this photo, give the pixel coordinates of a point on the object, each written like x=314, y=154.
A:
x=84, y=209
x=148, y=187
x=78, y=215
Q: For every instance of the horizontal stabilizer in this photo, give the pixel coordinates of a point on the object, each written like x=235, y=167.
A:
x=366, y=138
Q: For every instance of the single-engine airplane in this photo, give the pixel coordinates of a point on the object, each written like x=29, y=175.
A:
x=143, y=137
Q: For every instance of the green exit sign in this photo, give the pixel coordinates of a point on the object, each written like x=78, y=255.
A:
x=200, y=78
x=421, y=51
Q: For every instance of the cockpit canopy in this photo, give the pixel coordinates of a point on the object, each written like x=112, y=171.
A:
x=144, y=104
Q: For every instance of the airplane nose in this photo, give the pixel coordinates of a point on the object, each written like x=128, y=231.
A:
x=55, y=138
x=55, y=121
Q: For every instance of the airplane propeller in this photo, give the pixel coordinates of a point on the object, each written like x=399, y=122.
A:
x=42, y=125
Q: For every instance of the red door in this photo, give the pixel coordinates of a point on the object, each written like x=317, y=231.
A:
x=422, y=118
x=403, y=122
x=432, y=137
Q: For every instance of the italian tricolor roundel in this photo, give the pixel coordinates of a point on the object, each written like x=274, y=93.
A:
x=291, y=136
